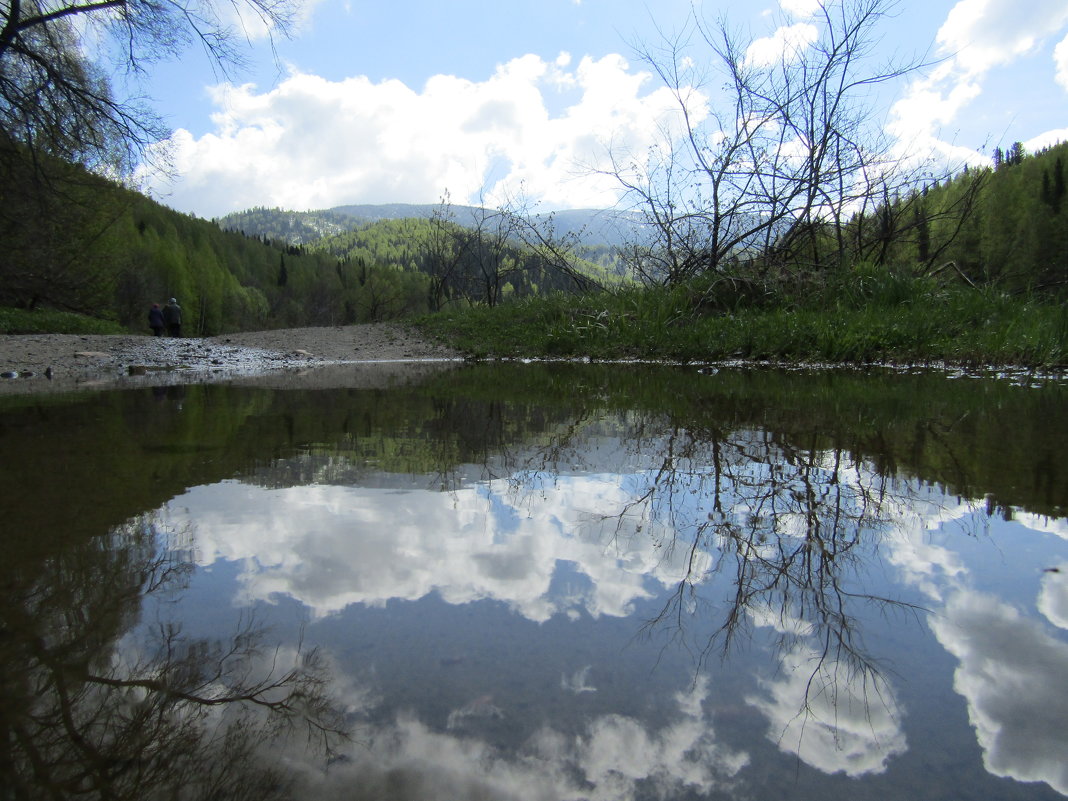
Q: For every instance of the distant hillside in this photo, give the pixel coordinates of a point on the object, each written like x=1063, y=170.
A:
x=597, y=227
x=289, y=227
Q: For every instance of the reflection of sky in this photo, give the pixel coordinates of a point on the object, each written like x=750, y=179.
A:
x=614, y=758
x=1013, y=675
x=1012, y=672
x=1053, y=597
x=581, y=545
x=833, y=717
x=330, y=546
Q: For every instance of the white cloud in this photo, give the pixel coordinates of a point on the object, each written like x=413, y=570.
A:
x=976, y=37
x=613, y=758
x=1047, y=525
x=834, y=718
x=982, y=34
x=1053, y=597
x=618, y=752
x=314, y=143
x=918, y=544
x=1046, y=139
x=1009, y=673
x=1060, y=62
x=800, y=8
x=329, y=546
x=785, y=43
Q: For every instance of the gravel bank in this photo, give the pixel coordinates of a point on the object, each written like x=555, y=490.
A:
x=62, y=362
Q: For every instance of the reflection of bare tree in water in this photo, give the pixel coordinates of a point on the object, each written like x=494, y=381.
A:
x=792, y=530
x=90, y=711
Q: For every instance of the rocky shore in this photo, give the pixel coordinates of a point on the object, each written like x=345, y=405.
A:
x=63, y=362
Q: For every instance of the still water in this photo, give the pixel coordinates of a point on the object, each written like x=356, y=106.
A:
x=538, y=582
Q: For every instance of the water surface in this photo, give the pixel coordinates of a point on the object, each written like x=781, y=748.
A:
x=539, y=581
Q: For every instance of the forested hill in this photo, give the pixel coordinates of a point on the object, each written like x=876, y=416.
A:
x=593, y=227
x=107, y=252
x=1004, y=227
x=104, y=251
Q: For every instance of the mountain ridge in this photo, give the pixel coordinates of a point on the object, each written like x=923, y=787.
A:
x=591, y=226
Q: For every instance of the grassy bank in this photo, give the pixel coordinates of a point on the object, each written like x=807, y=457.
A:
x=871, y=319
x=50, y=321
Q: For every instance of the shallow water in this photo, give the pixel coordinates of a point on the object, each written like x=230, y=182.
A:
x=539, y=581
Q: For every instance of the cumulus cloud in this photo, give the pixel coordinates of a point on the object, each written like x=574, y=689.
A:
x=976, y=37
x=983, y=34
x=1057, y=526
x=800, y=8
x=919, y=544
x=1009, y=672
x=1060, y=61
x=1053, y=597
x=329, y=546
x=834, y=718
x=615, y=758
x=786, y=43
x=315, y=143
x=1046, y=139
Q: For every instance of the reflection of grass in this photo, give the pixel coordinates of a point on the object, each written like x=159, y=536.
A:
x=49, y=321
x=901, y=320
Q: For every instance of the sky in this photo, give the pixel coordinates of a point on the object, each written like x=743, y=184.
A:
x=484, y=100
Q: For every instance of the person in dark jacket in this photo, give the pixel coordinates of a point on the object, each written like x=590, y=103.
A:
x=155, y=320
x=172, y=316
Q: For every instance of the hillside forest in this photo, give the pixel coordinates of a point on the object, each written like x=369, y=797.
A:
x=787, y=199
x=99, y=249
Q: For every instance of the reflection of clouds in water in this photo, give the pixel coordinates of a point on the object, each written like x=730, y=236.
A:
x=1053, y=597
x=910, y=544
x=577, y=681
x=331, y=546
x=1057, y=526
x=1012, y=673
x=834, y=718
x=612, y=759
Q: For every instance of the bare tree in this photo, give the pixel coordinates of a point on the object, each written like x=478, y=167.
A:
x=492, y=253
x=443, y=253
x=552, y=251
x=494, y=247
x=62, y=126
x=55, y=100
x=772, y=162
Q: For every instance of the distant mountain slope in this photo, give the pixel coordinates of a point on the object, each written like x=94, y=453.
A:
x=291, y=227
x=596, y=226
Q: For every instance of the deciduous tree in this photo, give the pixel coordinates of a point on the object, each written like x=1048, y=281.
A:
x=773, y=154
x=56, y=99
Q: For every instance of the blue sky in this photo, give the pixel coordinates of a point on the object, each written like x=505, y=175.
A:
x=373, y=102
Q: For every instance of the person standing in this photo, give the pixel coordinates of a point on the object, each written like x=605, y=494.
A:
x=155, y=320
x=172, y=316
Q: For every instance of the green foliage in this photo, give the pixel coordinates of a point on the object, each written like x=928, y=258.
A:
x=48, y=321
x=100, y=250
x=1015, y=236
x=885, y=317
x=970, y=271
x=485, y=270
x=54, y=224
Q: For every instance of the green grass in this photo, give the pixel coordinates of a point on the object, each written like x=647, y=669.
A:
x=879, y=318
x=49, y=321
